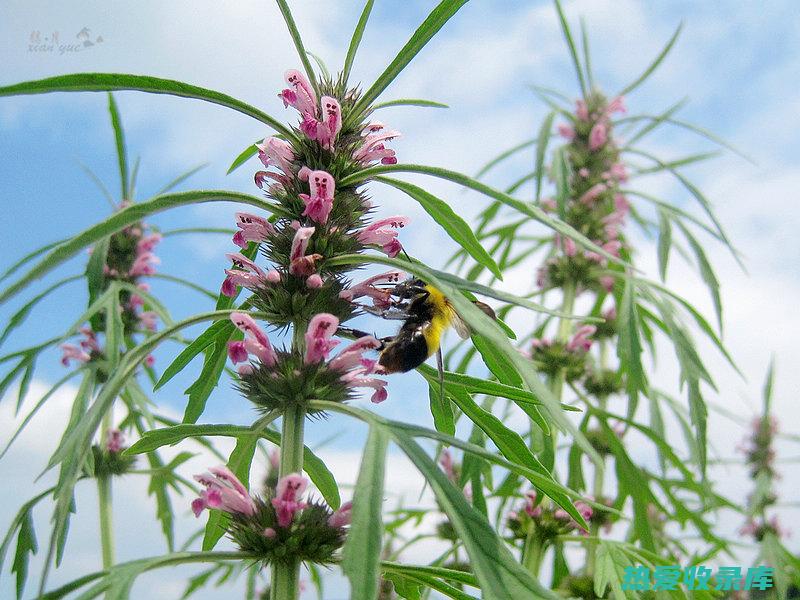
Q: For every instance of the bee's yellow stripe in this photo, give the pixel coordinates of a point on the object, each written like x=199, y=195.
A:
x=440, y=321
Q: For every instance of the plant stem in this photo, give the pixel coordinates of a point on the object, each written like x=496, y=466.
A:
x=105, y=504
x=285, y=584
x=532, y=552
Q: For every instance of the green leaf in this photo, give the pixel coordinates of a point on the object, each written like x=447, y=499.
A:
x=314, y=467
x=524, y=208
x=355, y=40
x=474, y=385
x=503, y=156
x=654, y=65
x=409, y=102
x=18, y=318
x=122, y=154
x=298, y=43
x=28, y=257
x=441, y=409
x=769, y=382
x=629, y=349
x=239, y=463
x=500, y=576
x=541, y=480
x=561, y=174
x=458, y=230
x=495, y=337
x=511, y=445
x=362, y=550
x=106, y=82
x=573, y=52
x=121, y=219
x=706, y=272
x=219, y=332
x=181, y=178
x=664, y=243
x=201, y=389
x=243, y=157
x=541, y=151
x=429, y=27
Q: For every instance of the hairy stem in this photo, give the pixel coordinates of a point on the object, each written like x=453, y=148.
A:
x=285, y=584
x=532, y=552
x=105, y=504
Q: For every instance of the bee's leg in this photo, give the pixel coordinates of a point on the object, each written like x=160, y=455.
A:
x=440, y=366
x=357, y=334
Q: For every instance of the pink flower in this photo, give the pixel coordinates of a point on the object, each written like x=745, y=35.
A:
x=567, y=244
x=361, y=378
x=150, y=360
x=351, y=357
x=274, y=151
x=148, y=319
x=341, y=517
x=580, y=340
x=143, y=265
x=301, y=264
x=381, y=297
x=592, y=193
x=287, y=498
x=581, y=111
x=251, y=229
x=530, y=504
x=224, y=492
x=448, y=466
x=114, y=440
x=616, y=105
x=619, y=172
x=300, y=94
x=373, y=148
x=318, y=337
x=598, y=136
x=89, y=344
x=607, y=281
x=320, y=202
x=72, y=352
x=584, y=509
x=314, y=281
x=331, y=123
x=147, y=243
x=382, y=233
x=584, y=172
x=256, y=341
x=621, y=204
x=566, y=131
x=245, y=273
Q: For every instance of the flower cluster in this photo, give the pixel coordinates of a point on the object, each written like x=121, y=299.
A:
x=109, y=458
x=553, y=356
x=758, y=446
x=276, y=379
x=545, y=520
x=320, y=218
x=760, y=457
x=596, y=207
x=129, y=257
x=280, y=527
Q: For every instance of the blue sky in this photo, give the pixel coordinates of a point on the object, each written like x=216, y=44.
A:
x=737, y=62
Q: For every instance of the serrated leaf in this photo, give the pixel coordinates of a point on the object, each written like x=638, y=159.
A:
x=362, y=550
x=458, y=230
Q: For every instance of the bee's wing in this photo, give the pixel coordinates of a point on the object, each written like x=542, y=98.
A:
x=458, y=324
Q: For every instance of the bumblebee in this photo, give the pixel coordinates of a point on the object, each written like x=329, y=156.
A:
x=426, y=314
